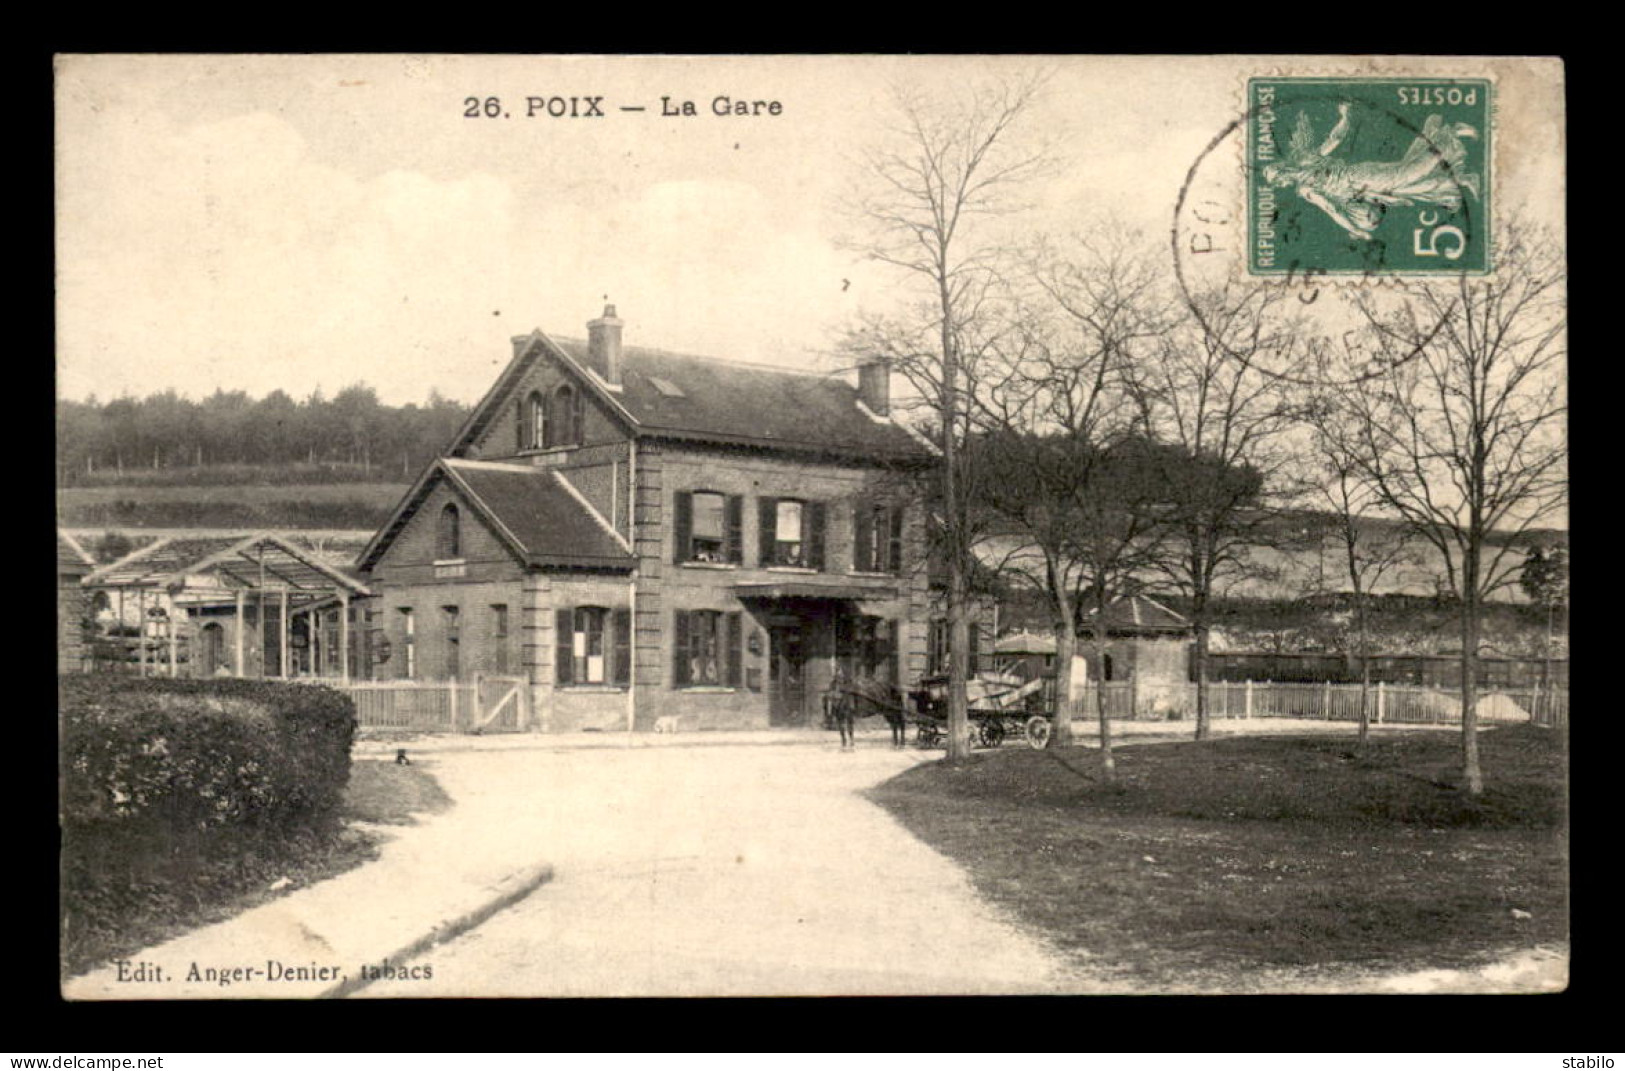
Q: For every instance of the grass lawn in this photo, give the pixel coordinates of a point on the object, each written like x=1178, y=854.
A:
x=1209, y=861
x=118, y=920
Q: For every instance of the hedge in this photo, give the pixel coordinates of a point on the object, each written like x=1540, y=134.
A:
x=179, y=762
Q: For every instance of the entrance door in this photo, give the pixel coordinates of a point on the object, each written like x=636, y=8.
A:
x=787, y=665
x=211, y=640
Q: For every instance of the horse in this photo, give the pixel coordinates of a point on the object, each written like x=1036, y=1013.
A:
x=868, y=698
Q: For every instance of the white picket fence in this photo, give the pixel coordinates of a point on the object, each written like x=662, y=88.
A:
x=482, y=705
x=1387, y=704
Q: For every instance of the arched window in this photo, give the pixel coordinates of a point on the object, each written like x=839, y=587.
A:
x=564, y=417
x=532, y=422
x=449, y=545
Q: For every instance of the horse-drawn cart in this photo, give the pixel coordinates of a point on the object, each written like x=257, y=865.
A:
x=1000, y=707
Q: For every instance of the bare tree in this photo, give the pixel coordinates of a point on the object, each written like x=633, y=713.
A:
x=1367, y=549
x=1465, y=434
x=1066, y=461
x=950, y=167
x=1204, y=389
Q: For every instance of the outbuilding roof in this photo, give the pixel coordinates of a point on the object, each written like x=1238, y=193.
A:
x=70, y=556
x=1140, y=613
x=535, y=511
x=258, y=561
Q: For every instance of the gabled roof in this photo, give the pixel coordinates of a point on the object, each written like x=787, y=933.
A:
x=1139, y=613
x=258, y=561
x=682, y=396
x=1025, y=642
x=70, y=556
x=535, y=511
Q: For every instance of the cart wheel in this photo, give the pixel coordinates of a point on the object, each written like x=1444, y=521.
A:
x=928, y=736
x=1038, y=731
x=992, y=734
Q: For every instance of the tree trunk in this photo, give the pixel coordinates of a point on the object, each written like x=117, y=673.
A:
x=959, y=667
x=1066, y=644
x=1064, y=707
x=958, y=552
x=1472, y=775
x=1199, y=661
x=1108, y=766
x=1365, y=668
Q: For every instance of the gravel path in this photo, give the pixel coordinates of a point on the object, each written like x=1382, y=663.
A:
x=721, y=871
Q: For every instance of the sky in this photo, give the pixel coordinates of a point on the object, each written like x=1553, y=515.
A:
x=262, y=222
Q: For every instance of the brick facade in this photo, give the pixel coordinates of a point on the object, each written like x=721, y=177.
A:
x=735, y=643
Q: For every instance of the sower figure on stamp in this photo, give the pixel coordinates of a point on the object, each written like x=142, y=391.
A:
x=1356, y=194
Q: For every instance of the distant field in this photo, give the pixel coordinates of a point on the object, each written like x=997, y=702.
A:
x=338, y=506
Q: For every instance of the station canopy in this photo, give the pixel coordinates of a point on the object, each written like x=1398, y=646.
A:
x=263, y=562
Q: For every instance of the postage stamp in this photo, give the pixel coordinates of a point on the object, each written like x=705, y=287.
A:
x=1369, y=176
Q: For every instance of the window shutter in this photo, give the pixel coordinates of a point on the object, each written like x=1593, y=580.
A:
x=519, y=425
x=975, y=631
x=682, y=525
x=815, y=537
x=863, y=526
x=894, y=651
x=894, y=547
x=679, y=649
x=564, y=647
x=735, y=508
x=622, y=620
x=767, y=519
x=734, y=659
x=578, y=413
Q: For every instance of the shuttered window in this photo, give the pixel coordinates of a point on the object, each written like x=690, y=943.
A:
x=593, y=645
x=706, y=648
x=877, y=538
x=791, y=533
x=707, y=527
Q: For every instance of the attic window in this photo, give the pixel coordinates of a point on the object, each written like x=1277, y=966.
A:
x=667, y=387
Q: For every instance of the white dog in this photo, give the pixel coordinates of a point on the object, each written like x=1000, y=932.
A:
x=666, y=724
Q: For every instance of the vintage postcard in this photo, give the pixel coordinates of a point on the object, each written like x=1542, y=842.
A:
x=573, y=525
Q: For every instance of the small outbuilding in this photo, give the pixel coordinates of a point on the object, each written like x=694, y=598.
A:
x=1148, y=645
x=235, y=605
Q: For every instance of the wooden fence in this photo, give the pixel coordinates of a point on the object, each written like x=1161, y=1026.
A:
x=1387, y=704
x=481, y=705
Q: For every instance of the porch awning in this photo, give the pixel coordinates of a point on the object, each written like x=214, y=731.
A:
x=814, y=589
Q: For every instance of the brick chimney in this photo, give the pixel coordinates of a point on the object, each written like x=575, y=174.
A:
x=874, y=386
x=604, y=346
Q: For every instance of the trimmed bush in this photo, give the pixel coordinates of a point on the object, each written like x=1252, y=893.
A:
x=175, y=789
x=194, y=757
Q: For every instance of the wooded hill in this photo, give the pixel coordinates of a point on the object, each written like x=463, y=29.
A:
x=167, y=438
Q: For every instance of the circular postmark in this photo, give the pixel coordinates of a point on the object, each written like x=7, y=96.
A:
x=1321, y=187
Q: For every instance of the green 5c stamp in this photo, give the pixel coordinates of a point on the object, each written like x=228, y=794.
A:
x=1368, y=176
